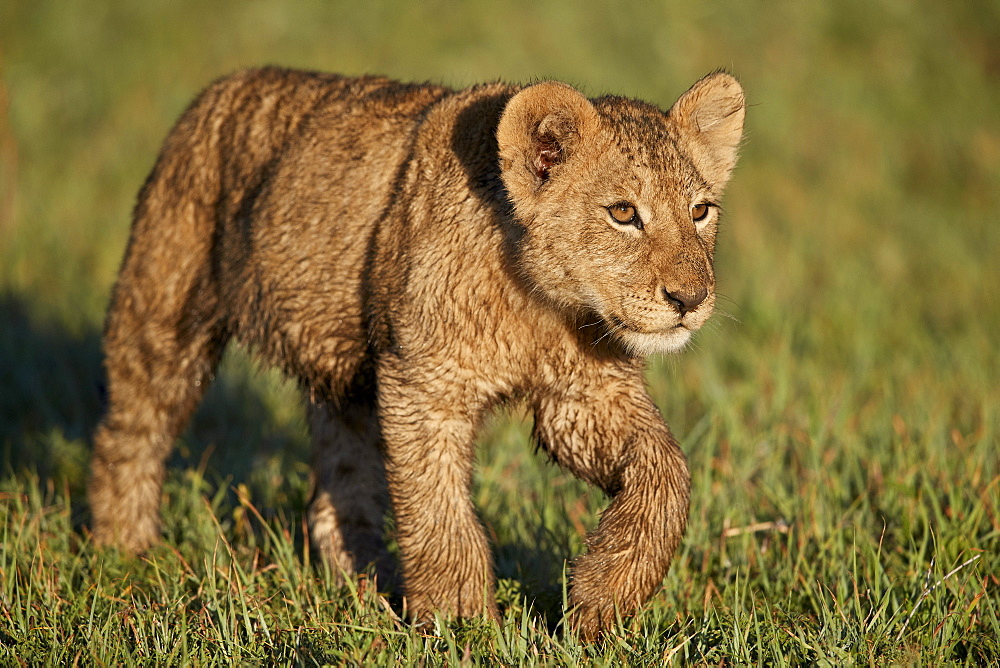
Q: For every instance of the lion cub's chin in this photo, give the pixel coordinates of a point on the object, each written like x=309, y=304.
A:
x=644, y=344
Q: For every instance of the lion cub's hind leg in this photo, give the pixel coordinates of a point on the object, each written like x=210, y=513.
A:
x=349, y=497
x=157, y=372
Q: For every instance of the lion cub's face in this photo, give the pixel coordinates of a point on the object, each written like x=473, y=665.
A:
x=620, y=203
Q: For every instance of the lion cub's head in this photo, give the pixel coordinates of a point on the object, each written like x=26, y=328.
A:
x=619, y=203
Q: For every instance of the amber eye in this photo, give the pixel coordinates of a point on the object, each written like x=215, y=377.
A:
x=699, y=212
x=624, y=214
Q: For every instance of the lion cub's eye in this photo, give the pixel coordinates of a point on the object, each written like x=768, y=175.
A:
x=624, y=213
x=699, y=212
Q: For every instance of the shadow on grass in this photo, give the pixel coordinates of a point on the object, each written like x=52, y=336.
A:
x=50, y=394
x=532, y=575
x=52, y=397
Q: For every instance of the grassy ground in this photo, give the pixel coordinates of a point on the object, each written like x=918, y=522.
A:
x=842, y=427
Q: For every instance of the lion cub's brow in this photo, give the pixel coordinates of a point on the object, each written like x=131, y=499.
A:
x=643, y=136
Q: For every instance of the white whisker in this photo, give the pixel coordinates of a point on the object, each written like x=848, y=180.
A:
x=727, y=314
x=611, y=330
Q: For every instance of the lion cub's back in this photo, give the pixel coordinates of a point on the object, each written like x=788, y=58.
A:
x=256, y=119
x=308, y=161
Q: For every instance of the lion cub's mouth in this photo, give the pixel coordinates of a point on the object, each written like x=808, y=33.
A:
x=644, y=341
x=643, y=344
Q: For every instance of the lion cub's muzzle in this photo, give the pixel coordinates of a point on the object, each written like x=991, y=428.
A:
x=664, y=321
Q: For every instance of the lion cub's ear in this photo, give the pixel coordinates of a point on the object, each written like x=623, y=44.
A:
x=541, y=128
x=710, y=115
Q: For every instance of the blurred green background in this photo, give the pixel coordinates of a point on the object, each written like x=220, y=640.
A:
x=858, y=256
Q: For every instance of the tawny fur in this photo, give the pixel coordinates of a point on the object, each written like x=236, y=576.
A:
x=415, y=256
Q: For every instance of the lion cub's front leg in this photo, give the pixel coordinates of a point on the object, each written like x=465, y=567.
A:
x=616, y=439
x=429, y=452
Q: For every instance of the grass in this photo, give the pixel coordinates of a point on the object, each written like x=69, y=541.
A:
x=842, y=427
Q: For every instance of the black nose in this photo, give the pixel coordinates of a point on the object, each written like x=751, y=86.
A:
x=685, y=299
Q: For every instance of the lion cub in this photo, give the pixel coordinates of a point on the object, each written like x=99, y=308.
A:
x=415, y=256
